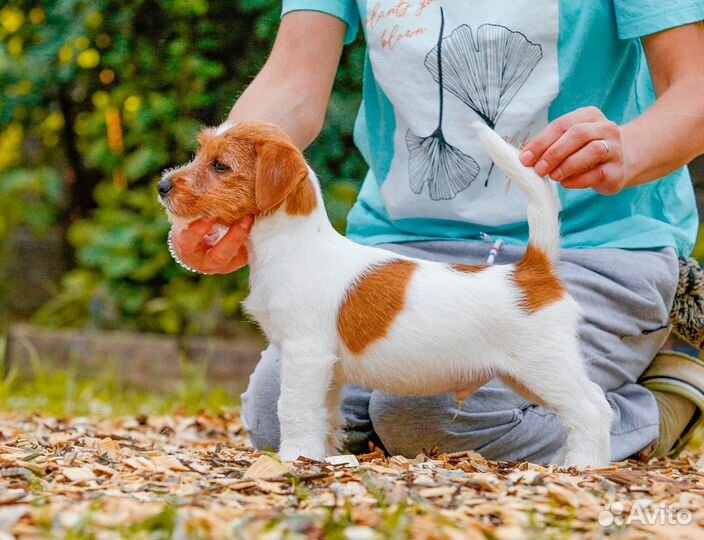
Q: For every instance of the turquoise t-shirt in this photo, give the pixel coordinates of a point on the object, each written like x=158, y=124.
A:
x=434, y=67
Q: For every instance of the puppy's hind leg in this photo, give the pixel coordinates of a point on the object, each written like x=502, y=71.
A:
x=558, y=380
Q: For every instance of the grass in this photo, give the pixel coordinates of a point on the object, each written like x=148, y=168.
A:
x=70, y=391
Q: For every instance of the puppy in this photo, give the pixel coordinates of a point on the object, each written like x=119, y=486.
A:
x=342, y=313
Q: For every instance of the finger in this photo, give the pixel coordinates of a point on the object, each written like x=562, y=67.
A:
x=240, y=260
x=236, y=262
x=223, y=252
x=605, y=179
x=585, y=180
x=554, y=130
x=241, y=229
x=201, y=227
x=246, y=222
x=569, y=143
x=189, y=238
x=583, y=160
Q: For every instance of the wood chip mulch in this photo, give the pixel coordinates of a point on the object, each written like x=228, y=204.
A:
x=194, y=477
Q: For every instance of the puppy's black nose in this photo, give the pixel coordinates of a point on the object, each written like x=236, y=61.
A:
x=164, y=187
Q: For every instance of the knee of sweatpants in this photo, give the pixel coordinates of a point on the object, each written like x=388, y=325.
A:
x=409, y=425
x=406, y=425
x=260, y=401
x=492, y=421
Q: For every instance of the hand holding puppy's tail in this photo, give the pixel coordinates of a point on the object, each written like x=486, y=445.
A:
x=543, y=206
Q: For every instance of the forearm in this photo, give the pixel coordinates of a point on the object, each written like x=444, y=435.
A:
x=293, y=88
x=284, y=103
x=668, y=135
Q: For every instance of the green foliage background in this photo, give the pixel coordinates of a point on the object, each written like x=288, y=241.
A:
x=99, y=97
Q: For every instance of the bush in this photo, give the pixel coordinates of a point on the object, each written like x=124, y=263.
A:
x=100, y=96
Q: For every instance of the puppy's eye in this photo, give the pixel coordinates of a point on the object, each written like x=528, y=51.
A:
x=219, y=167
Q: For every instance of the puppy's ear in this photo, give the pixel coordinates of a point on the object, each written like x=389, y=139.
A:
x=280, y=168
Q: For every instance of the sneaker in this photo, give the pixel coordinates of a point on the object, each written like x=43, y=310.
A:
x=681, y=375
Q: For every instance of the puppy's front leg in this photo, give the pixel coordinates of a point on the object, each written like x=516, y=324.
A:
x=306, y=375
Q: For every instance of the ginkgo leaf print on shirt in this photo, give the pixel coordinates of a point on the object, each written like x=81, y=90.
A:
x=433, y=161
x=487, y=74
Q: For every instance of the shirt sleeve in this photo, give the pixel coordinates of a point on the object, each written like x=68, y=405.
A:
x=636, y=18
x=345, y=10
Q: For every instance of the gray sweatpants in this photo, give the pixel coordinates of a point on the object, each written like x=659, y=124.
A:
x=626, y=298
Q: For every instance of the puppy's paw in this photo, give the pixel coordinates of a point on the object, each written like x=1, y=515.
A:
x=291, y=452
x=582, y=460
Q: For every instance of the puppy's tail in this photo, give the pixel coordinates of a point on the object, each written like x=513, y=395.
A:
x=543, y=206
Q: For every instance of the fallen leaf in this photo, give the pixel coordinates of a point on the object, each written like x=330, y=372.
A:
x=78, y=474
x=140, y=463
x=10, y=515
x=109, y=448
x=279, y=488
x=266, y=468
x=400, y=462
x=169, y=462
x=440, y=491
x=348, y=460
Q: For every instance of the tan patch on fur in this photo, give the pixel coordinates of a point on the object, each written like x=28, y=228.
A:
x=302, y=200
x=536, y=278
x=280, y=169
x=468, y=268
x=373, y=303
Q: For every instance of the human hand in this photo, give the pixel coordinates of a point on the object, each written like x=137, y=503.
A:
x=582, y=149
x=226, y=256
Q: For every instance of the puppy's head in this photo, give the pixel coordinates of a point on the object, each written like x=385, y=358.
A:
x=252, y=168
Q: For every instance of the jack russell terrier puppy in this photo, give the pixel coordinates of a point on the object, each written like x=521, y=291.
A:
x=343, y=313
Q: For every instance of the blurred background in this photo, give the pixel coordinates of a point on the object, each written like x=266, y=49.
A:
x=98, y=97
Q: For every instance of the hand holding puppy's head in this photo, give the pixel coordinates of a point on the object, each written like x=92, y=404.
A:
x=251, y=168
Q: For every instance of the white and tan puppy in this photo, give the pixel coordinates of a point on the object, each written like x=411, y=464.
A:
x=344, y=313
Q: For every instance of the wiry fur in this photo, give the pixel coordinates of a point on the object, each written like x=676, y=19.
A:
x=452, y=329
